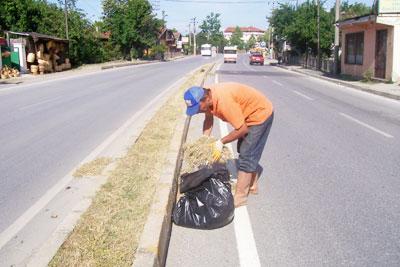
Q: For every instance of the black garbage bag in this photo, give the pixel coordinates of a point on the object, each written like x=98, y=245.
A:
x=195, y=179
x=208, y=206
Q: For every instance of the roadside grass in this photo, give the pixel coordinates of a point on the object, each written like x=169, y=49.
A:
x=93, y=168
x=108, y=233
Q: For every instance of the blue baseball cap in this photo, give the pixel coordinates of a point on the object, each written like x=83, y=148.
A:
x=192, y=97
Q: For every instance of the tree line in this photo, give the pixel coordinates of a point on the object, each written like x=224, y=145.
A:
x=298, y=25
x=132, y=24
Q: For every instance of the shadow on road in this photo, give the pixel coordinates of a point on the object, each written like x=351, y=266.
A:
x=254, y=73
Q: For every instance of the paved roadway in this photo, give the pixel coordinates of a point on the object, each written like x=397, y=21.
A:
x=48, y=128
x=330, y=193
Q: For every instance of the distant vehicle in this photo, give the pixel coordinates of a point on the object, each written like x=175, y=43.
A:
x=206, y=50
x=256, y=58
x=230, y=54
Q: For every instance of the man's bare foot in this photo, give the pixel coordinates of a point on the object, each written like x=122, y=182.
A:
x=239, y=201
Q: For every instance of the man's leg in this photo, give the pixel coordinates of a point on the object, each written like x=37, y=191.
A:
x=242, y=188
x=255, y=176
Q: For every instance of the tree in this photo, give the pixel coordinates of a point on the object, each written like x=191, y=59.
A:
x=281, y=18
x=299, y=27
x=351, y=10
x=251, y=42
x=132, y=25
x=48, y=18
x=236, y=38
x=211, y=31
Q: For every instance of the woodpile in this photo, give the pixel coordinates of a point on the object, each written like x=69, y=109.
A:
x=48, y=58
x=8, y=72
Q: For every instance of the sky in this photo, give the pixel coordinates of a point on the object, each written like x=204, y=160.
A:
x=179, y=13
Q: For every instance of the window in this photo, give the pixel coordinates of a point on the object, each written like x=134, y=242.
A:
x=229, y=51
x=354, y=48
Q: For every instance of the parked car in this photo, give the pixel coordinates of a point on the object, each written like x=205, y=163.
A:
x=256, y=58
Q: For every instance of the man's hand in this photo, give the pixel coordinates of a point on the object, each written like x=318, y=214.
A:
x=217, y=150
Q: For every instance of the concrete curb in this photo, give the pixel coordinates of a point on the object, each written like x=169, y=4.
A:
x=127, y=64
x=137, y=63
x=153, y=245
x=388, y=95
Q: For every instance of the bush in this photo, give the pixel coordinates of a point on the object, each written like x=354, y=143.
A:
x=157, y=51
x=367, y=76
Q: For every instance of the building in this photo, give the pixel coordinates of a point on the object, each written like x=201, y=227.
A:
x=247, y=32
x=371, y=44
x=172, y=41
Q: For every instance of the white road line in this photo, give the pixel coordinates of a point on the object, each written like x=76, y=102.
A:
x=303, y=95
x=27, y=216
x=38, y=103
x=246, y=245
x=366, y=125
x=248, y=255
x=275, y=82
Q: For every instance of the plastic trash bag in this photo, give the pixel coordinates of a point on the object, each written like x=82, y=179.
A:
x=208, y=206
x=192, y=180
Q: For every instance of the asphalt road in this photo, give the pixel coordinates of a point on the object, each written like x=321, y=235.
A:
x=330, y=192
x=48, y=128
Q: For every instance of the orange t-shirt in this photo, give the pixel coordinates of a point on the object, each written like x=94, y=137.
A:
x=238, y=103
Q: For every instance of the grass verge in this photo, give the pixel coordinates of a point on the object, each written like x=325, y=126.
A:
x=108, y=232
x=93, y=168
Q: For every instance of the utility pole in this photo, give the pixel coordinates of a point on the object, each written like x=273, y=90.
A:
x=190, y=36
x=194, y=36
x=164, y=15
x=66, y=18
x=318, y=39
x=336, y=49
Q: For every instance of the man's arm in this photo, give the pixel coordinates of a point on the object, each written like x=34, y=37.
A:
x=235, y=134
x=208, y=124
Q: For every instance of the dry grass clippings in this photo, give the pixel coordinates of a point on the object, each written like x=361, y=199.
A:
x=93, y=168
x=198, y=154
x=109, y=231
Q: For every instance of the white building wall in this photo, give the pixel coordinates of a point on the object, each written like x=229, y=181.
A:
x=246, y=35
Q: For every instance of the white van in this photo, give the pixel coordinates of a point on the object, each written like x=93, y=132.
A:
x=230, y=54
x=206, y=50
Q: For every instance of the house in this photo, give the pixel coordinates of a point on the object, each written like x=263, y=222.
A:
x=371, y=43
x=247, y=32
x=166, y=37
x=178, y=42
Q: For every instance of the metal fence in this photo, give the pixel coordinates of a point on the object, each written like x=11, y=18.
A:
x=327, y=64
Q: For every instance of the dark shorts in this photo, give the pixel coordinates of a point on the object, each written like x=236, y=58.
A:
x=251, y=146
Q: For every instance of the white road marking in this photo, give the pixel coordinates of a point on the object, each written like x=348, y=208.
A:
x=366, y=125
x=246, y=245
x=303, y=95
x=39, y=103
x=248, y=255
x=27, y=216
x=276, y=82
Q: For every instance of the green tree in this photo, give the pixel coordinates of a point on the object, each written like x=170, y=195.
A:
x=48, y=18
x=348, y=10
x=281, y=19
x=133, y=26
x=211, y=31
x=236, y=38
x=251, y=43
x=299, y=27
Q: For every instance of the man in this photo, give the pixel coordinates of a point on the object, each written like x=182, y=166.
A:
x=250, y=113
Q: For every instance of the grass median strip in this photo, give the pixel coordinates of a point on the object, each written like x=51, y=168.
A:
x=108, y=232
x=93, y=168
